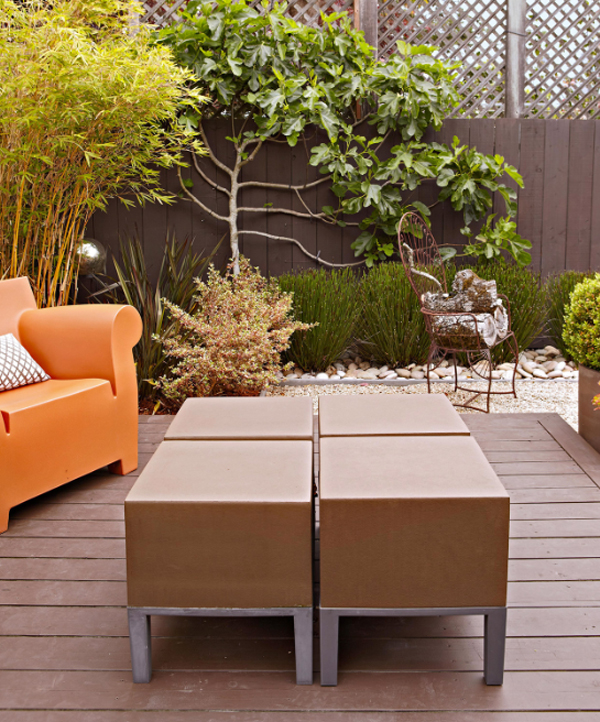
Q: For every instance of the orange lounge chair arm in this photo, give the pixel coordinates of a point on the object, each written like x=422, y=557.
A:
x=87, y=341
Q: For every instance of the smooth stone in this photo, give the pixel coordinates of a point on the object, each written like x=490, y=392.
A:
x=403, y=373
x=549, y=365
x=508, y=375
x=529, y=367
x=496, y=374
x=391, y=375
x=560, y=365
x=352, y=374
x=506, y=367
x=540, y=374
x=417, y=374
x=551, y=351
x=364, y=365
x=330, y=370
x=433, y=375
x=524, y=373
x=322, y=376
x=462, y=377
x=339, y=366
x=352, y=367
x=410, y=367
x=367, y=375
x=341, y=373
x=556, y=374
x=335, y=377
x=308, y=376
x=541, y=359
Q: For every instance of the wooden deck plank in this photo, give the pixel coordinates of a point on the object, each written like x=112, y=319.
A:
x=277, y=655
x=556, y=528
x=560, y=495
x=554, y=593
x=357, y=691
x=545, y=481
x=68, y=512
x=554, y=569
x=503, y=457
x=492, y=444
x=299, y=716
x=71, y=529
x=112, y=622
x=574, y=548
x=62, y=592
x=581, y=510
x=63, y=569
x=62, y=548
x=536, y=467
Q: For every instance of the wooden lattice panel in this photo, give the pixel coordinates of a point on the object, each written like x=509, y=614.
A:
x=472, y=31
x=562, y=77
x=161, y=12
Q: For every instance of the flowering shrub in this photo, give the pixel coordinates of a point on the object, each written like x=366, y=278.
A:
x=231, y=345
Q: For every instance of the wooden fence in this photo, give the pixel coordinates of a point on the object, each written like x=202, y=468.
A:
x=559, y=208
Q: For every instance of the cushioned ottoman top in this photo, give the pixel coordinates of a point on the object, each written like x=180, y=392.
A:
x=227, y=471
x=402, y=467
x=243, y=418
x=389, y=415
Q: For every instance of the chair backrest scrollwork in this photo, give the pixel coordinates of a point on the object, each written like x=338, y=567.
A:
x=420, y=256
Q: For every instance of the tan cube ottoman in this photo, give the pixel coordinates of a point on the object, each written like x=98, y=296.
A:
x=411, y=526
x=256, y=418
x=389, y=415
x=221, y=528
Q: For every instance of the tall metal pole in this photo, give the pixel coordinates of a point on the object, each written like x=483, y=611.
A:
x=515, y=58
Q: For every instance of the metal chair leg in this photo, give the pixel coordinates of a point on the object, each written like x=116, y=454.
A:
x=303, y=640
x=140, y=645
x=494, y=645
x=329, y=632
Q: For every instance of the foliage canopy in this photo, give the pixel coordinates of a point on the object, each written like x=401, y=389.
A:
x=277, y=79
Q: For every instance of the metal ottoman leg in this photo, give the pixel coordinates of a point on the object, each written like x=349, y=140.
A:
x=303, y=639
x=494, y=644
x=329, y=632
x=139, y=642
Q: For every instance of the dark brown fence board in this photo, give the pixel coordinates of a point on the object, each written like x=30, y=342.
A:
x=279, y=171
x=555, y=196
x=530, y=216
x=595, y=221
x=254, y=247
x=579, y=201
x=508, y=145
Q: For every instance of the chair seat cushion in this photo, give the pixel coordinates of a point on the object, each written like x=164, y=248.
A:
x=51, y=400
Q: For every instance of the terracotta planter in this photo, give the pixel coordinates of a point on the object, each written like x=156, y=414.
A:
x=589, y=419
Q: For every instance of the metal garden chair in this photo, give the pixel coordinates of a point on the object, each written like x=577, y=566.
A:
x=450, y=333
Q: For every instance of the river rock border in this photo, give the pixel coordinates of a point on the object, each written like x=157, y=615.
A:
x=545, y=364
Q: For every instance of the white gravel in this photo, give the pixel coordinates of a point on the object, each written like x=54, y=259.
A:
x=532, y=396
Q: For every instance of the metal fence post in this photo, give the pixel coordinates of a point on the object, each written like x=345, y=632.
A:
x=366, y=19
x=515, y=58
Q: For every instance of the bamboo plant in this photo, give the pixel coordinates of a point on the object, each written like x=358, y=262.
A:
x=87, y=113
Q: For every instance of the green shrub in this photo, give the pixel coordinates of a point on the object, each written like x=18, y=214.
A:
x=527, y=298
x=178, y=269
x=581, y=333
x=330, y=300
x=559, y=288
x=391, y=329
x=231, y=344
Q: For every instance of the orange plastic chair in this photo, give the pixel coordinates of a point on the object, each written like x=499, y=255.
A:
x=86, y=416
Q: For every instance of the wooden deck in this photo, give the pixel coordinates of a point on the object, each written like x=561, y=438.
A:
x=64, y=653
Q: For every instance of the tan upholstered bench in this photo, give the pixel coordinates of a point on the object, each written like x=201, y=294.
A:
x=255, y=418
x=389, y=415
x=221, y=528
x=411, y=526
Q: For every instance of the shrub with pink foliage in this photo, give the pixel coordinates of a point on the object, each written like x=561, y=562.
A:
x=231, y=346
